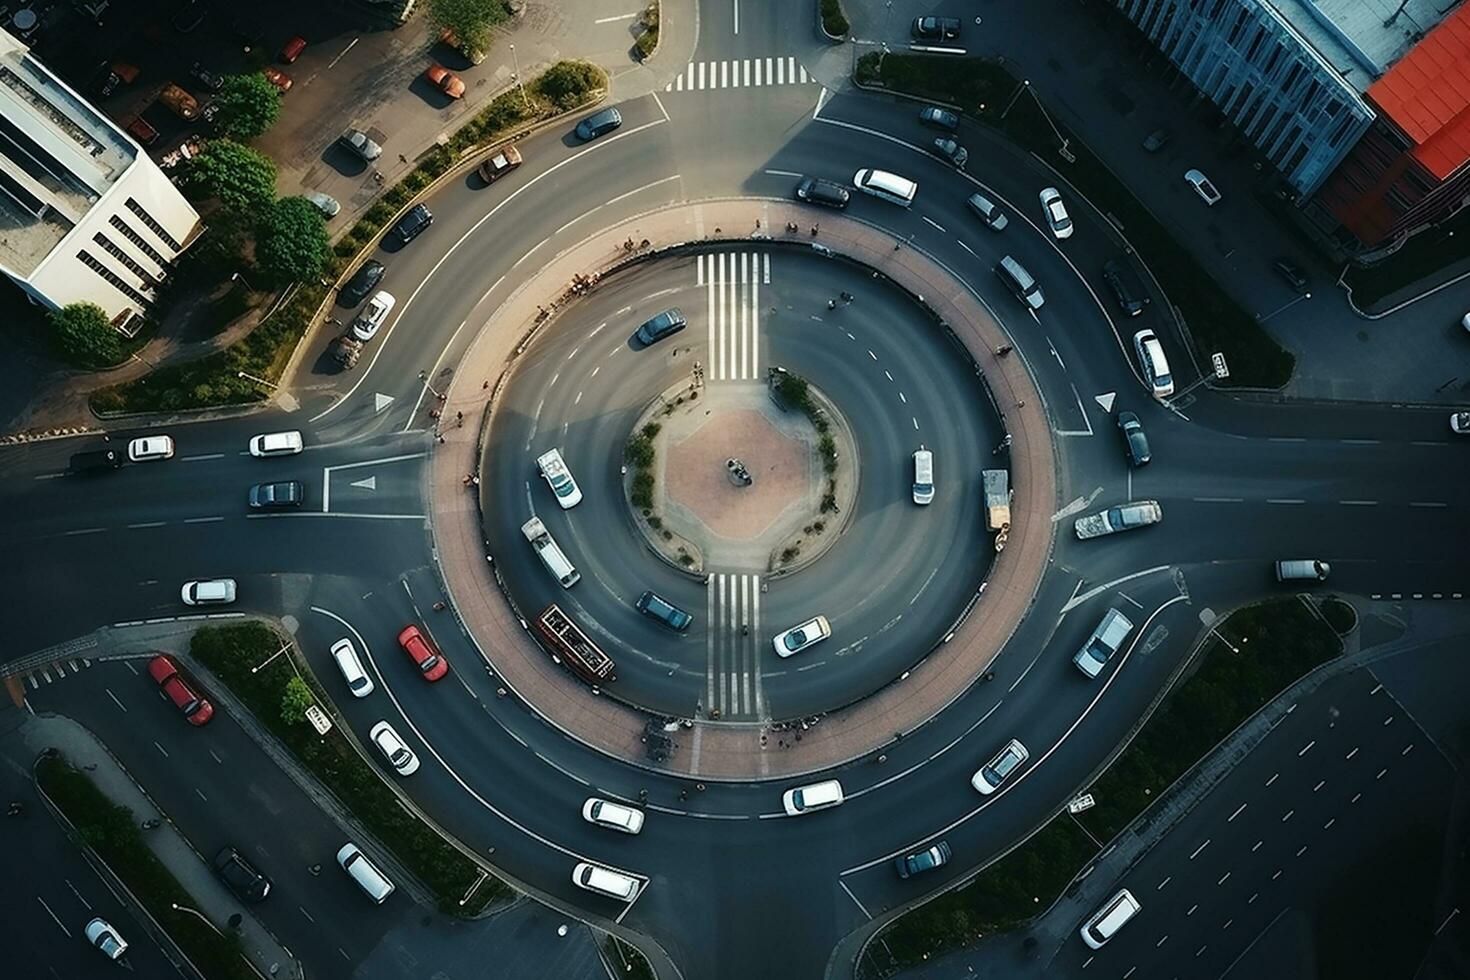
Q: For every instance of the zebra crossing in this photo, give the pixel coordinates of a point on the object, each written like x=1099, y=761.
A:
x=48, y=673
x=732, y=282
x=733, y=678
x=741, y=73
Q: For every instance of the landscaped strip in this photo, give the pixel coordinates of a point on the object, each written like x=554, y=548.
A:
x=112, y=831
x=1253, y=656
x=232, y=652
x=987, y=92
x=216, y=380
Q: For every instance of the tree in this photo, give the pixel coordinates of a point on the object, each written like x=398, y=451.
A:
x=248, y=105
x=295, y=700
x=470, y=20
x=84, y=335
x=291, y=242
x=242, y=180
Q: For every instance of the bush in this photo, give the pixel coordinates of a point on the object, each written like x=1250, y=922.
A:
x=84, y=336
x=651, y=430
x=248, y=106
x=642, y=494
x=295, y=699
x=639, y=452
x=648, y=40
x=568, y=84
x=833, y=20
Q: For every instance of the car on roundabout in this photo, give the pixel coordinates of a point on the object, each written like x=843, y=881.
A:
x=661, y=610
x=951, y=151
x=1135, y=440
x=988, y=212
x=605, y=813
x=987, y=778
x=1460, y=423
x=1056, y=213
x=665, y=324
x=798, y=638
x=926, y=860
x=937, y=117
x=1124, y=517
x=423, y=653
x=394, y=749
x=828, y=193
x=554, y=471
x=808, y=799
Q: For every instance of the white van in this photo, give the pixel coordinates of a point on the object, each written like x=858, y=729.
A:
x=372, y=881
x=1020, y=282
x=1106, y=921
x=1302, y=568
x=817, y=796
x=889, y=187
x=605, y=881
x=923, y=476
x=551, y=556
x=276, y=444
x=344, y=654
x=1153, y=363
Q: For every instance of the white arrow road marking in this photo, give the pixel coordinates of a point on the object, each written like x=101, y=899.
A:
x=371, y=483
x=1081, y=503
x=1106, y=400
x=381, y=401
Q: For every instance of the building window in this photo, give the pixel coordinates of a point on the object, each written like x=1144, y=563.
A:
x=113, y=279
x=154, y=226
x=111, y=248
x=127, y=230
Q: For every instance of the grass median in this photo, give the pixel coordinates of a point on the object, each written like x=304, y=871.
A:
x=231, y=652
x=112, y=831
x=1259, y=652
x=215, y=380
x=984, y=90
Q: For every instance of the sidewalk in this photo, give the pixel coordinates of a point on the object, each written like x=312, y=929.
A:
x=82, y=749
x=723, y=750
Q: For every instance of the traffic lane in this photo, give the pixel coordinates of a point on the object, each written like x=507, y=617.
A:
x=1352, y=422
x=221, y=790
x=54, y=892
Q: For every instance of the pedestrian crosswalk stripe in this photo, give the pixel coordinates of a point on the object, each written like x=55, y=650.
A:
x=733, y=677
x=742, y=73
x=732, y=282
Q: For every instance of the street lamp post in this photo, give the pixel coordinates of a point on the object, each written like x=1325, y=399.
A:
x=519, y=84
x=424, y=377
x=198, y=915
x=236, y=277
x=1262, y=318
x=264, y=663
x=1025, y=84
x=259, y=381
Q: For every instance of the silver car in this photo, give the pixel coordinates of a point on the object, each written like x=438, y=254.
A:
x=359, y=143
x=987, y=778
x=1124, y=517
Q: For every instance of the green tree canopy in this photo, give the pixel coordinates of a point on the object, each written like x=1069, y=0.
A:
x=291, y=242
x=84, y=335
x=248, y=105
x=470, y=20
x=569, y=83
x=242, y=180
x=295, y=699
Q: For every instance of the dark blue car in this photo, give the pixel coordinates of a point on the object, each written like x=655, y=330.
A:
x=599, y=124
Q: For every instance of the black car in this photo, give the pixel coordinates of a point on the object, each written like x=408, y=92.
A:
x=952, y=152
x=242, y=877
x=97, y=461
x=363, y=281
x=936, y=28
x=277, y=496
x=1135, y=441
x=815, y=190
x=655, y=606
x=1127, y=290
x=926, y=860
x=413, y=224
x=666, y=324
x=599, y=124
x=932, y=115
x=1292, y=273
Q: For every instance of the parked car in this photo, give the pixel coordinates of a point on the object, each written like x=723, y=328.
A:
x=1056, y=213
x=208, y=592
x=1295, y=276
x=798, y=638
x=926, y=860
x=373, y=316
x=829, y=193
x=987, y=778
x=278, y=78
x=657, y=608
x=344, y=655
x=276, y=444
x=445, y=81
x=938, y=118
x=605, y=813
x=1153, y=363
x=605, y=881
x=151, y=447
x=248, y=884
x=1124, y=517
x=1135, y=440
x=665, y=324
x=363, y=281
x=1156, y=141
x=1106, y=921
x=935, y=28
x=449, y=39
x=1202, y=186
x=423, y=653
x=292, y=49
x=398, y=754
x=95, y=461
x=599, y=124
x=501, y=163
x=988, y=212
x=359, y=143
x=210, y=80
x=1125, y=287
x=195, y=708
x=284, y=495
x=179, y=102
x=100, y=933
x=413, y=224
x=325, y=203
x=952, y=151
x=142, y=130
x=345, y=350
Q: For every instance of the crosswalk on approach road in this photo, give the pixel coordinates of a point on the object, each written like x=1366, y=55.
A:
x=733, y=677
x=740, y=73
x=732, y=282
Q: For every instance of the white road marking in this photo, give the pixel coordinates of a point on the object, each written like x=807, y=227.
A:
x=1078, y=600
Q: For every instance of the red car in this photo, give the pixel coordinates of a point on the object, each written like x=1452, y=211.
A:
x=421, y=649
x=278, y=78
x=165, y=673
x=292, y=49
x=445, y=81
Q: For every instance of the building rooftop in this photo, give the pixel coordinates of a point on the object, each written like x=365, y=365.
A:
x=1351, y=35
x=1427, y=95
x=58, y=156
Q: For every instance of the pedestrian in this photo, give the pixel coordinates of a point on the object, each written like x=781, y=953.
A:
x=402, y=158
x=439, y=606
x=467, y=478
x=683, y=795
x=475, y=480
x=831, y=304
x=441, y=438
x=847, y=297
x=814, y=231
x=15, y=809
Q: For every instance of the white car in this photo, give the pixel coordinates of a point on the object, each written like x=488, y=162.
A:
x=277, y=444
x=373, y=316
x=209, y=592
x=554, y=469
x=989, y=776
x=100, y=933
x=817, y=796
x=605, y=813
x=1124, y=517
x=150, y=447
x=399, y=756
x=798, y=638
x=605, y=881
x=1056, y=213
x=1153, y=363
x=1460, y=423
x=344, y=654
x=1202, y=186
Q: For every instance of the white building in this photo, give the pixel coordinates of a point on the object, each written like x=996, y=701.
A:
x=85, y=215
